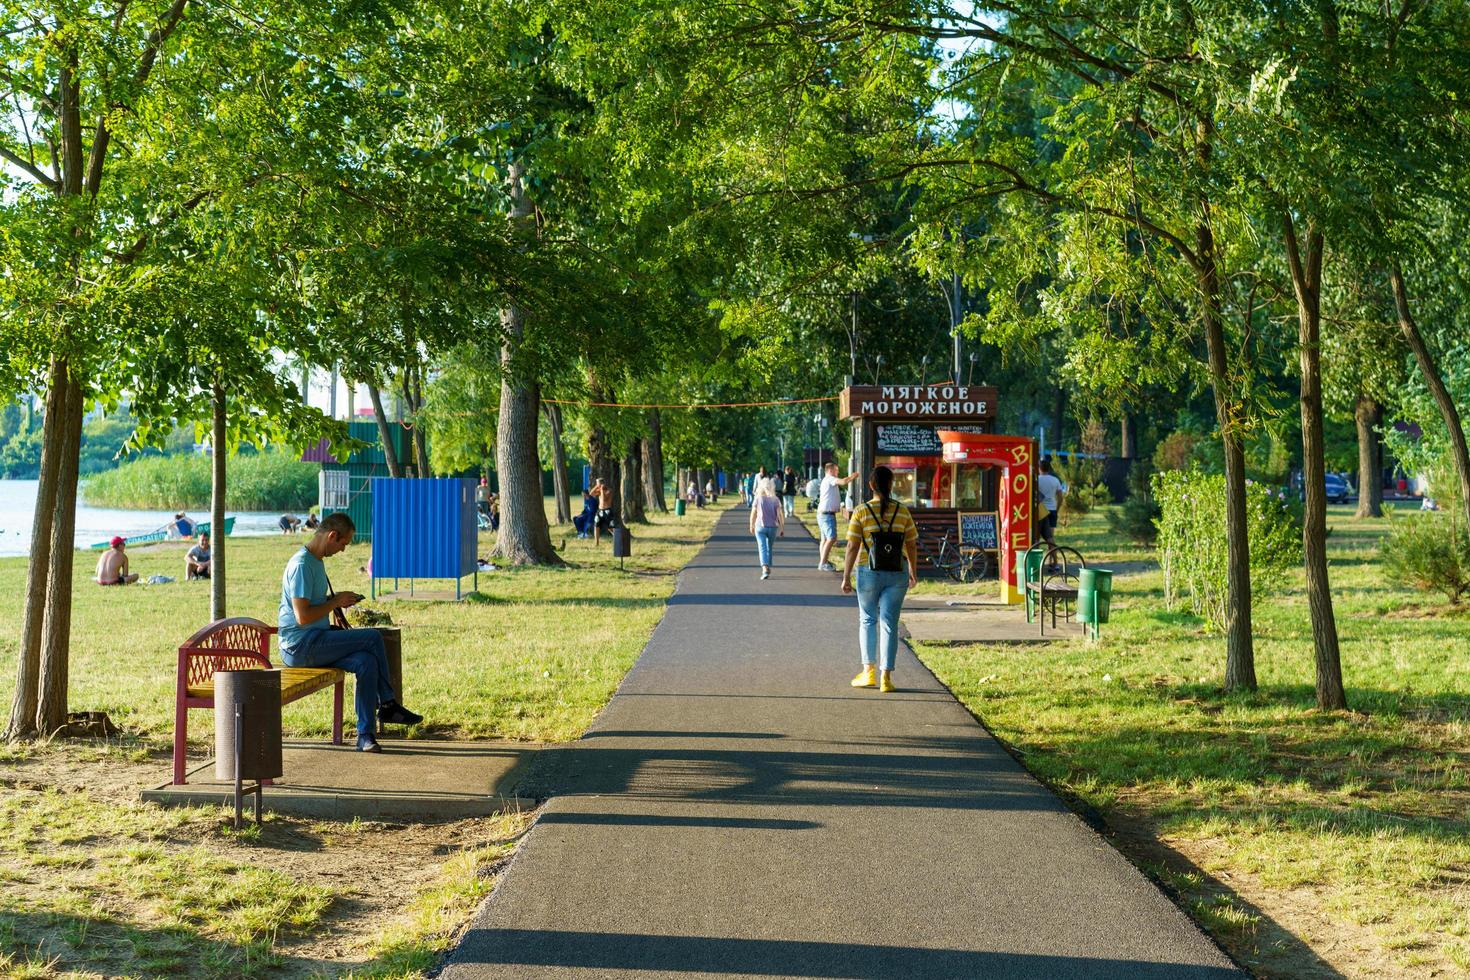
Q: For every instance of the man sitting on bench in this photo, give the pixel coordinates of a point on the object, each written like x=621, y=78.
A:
x=307, y=606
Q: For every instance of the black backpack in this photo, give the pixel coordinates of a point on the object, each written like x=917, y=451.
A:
x=885, y=550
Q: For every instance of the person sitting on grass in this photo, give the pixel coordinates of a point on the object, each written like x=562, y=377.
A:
x=307, y=607
x=196, y=562
x=112, y=567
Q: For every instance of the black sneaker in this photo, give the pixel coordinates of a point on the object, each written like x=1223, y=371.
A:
x=366, y=743
x=397, y=714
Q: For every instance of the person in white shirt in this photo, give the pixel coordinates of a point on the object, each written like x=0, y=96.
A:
x=1051, y=491
x=829, y=502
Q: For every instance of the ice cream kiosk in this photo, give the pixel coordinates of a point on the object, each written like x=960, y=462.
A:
x=955, y=474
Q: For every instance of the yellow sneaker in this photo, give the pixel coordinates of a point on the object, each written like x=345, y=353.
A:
x=868, y=678
x=885, y=682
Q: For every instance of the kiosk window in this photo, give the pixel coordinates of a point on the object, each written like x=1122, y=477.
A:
x=905, y=478
x=969, y=486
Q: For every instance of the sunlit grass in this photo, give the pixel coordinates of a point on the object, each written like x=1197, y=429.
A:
x=1366, y=809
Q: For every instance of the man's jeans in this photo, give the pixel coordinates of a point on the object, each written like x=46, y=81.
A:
x=360, y=653
x=880, y=597
x=789, y=503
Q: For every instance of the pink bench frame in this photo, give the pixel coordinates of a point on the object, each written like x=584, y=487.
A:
x=227, y=644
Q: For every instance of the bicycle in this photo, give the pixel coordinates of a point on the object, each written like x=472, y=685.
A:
x=962, y=563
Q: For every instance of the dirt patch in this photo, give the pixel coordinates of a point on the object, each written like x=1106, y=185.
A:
x=58, y=889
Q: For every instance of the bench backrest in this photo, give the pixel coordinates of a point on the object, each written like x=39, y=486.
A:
x=226, y=644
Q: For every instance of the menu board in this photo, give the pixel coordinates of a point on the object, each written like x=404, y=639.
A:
x=915, y=440
x=980, y=529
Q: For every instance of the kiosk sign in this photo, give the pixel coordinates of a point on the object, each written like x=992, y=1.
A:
x=931, y=403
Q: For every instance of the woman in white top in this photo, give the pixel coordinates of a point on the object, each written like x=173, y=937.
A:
x=767, y=522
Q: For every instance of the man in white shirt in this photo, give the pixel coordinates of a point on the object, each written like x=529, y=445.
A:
x=829, y=502
x=1051, y=491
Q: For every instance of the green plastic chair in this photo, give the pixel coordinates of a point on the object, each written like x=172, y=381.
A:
x=1028, y=570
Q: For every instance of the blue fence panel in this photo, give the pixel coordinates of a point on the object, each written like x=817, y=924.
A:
x=423, y=528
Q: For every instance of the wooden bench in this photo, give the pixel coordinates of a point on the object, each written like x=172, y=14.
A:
x=239, y=644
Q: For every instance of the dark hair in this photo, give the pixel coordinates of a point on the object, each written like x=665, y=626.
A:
x=1046, y=465
x=882, y=480
x=338, y=523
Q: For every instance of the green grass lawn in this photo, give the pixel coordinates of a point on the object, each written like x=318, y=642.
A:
x=533, y=655
x=95, y=883
x=1282, y=827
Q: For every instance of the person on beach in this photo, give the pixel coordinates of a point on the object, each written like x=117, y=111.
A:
x=112, y=567
x=883, y=545
x=767, y=522
x=307, y=607
x=829, y=502
x=196, y=562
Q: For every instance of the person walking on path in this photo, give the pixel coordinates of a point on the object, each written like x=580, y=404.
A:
x=829, y=502
x=308, y=606
x=788, y=492
x=883, y=544
x=1051, y=490
x=767, y=522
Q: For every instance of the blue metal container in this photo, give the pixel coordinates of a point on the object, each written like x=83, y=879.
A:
x=424, y=529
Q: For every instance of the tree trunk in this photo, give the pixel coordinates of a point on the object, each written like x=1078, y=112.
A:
x=51, y=707
x=524, y=538
x=631, y=488
x=1059, y=419
x=1447, y=410
x=558, y=464
x=1240, y=654
x=416, y=405
x=217, y=509
x=22, y=723
x=1368, y=414
x=1306, y=278
x=653, y=465
x=1126, y=448
x=390, y=450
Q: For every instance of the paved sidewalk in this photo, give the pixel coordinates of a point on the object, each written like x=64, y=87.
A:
x=739, y=810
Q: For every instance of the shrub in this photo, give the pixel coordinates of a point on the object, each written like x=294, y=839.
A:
x=1135, y=518
x=268, y=481
x=1176, y=450
x=1192, y=543
x=1431, y=552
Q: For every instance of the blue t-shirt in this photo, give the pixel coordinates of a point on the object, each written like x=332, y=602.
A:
x=305, y=578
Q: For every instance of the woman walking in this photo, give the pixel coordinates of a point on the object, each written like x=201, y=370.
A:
x=883, y=544
x=766, y=522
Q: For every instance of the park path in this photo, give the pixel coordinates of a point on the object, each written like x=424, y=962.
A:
x=739, y=810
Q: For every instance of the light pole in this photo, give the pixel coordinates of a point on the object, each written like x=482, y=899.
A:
x=821, y=423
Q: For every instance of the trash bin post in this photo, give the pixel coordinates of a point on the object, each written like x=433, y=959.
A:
x=1094, y=597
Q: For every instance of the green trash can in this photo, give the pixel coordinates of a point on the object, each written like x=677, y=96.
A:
x=679, y=507
x=1094, y=597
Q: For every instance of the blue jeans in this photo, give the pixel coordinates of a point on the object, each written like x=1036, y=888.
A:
x=789, y=503
x=880, y=597
x=360, y=653
x=764, y=538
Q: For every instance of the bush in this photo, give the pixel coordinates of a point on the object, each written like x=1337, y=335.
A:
x=1176, y=450
x=1135, y=518
x=1431, y=552
x=1192, y=543
x=268, y=481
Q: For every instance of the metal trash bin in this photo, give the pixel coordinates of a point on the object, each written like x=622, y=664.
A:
x=393, y=647
x=247, y=730
x=1094, y=597
x=622, y=544
x=679, y=507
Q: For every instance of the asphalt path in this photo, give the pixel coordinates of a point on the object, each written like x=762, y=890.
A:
x=738, y=810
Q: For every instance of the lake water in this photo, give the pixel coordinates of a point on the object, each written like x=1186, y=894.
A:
x=18, y=513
